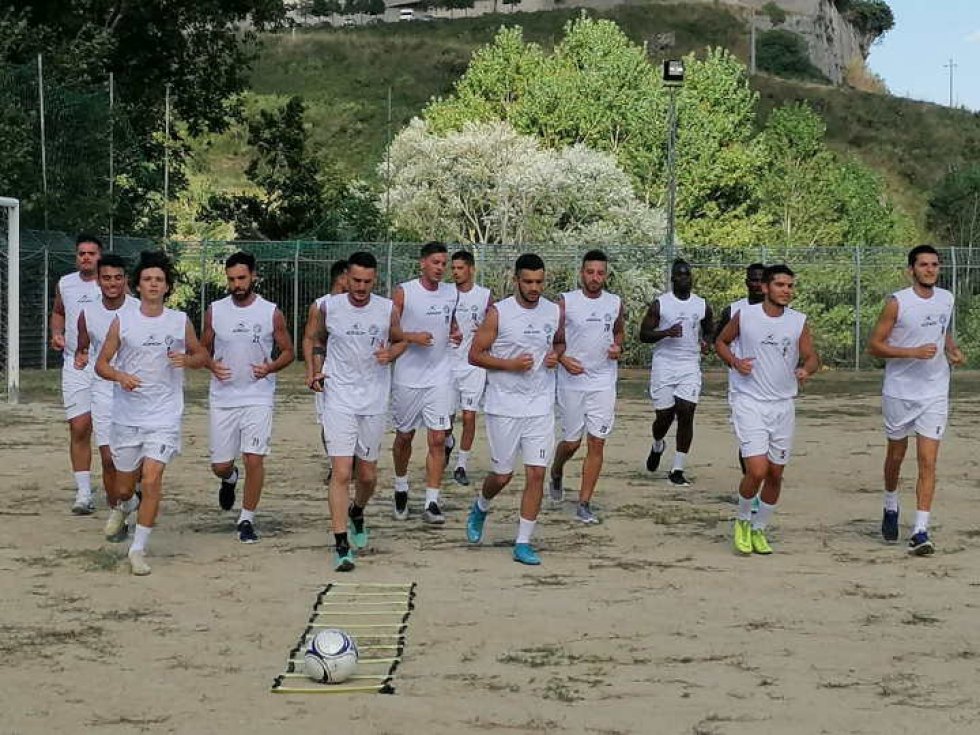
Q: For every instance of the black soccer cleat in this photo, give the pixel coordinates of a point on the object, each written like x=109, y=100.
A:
x=653, y=459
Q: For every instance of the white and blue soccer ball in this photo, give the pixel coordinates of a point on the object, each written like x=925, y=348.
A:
x=331, y=656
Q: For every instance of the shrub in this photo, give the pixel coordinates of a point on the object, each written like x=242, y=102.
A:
x=785, y=54
x=777, y=16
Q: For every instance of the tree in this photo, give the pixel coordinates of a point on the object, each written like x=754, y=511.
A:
x=954, y=208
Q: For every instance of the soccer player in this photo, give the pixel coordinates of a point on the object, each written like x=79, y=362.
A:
x=74, y=292
x=678, y=324
x=468, y=381
x=594, y=331
x=776, y=354
x=315, y=336
x=912, y=335
x=517, y=344
x=753, y=295
x=421, y=391
x=151, y=347
x=240, y=332
x=360, y=327
x=93, y=326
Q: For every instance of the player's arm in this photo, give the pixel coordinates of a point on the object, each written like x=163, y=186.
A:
x=953, y=353
x=707, y=328
x=649, y=333
x=726, y=316
x=57, y=321
x=724, y=351
x=194, y=355
x=558, y=345
x=314, y=345
x=284, y=344
x=218, y=369
x=84, y=342
x=424, y=339
x=573, y=366
x=396, y=336
x=809, y=359
x=619, y=335
x=103, y=363
x=878, y=342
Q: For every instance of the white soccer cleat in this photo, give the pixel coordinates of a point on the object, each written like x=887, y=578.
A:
x=115, y=525
x=137, y=563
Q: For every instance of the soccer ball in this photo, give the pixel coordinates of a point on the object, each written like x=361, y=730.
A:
x=331, y=657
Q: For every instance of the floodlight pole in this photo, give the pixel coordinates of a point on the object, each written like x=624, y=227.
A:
x=13, y=298
x=671, y=174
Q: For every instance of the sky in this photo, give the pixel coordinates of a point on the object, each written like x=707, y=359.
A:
x=911, y=57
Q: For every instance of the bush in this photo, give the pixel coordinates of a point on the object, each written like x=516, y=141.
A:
x=871, y=17
x=785, y=54
x=777, y=16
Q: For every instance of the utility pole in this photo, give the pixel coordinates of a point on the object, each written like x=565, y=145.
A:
x=752, y=64
x=951, y=65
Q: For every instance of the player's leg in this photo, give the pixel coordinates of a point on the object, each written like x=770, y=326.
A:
x=80, y=453
x=370, y=430
x=750, y=428
x=503, y=437
x=338, y=499
x=225, y=434
x=537, y=448
x=157, y=449
x=435, y=416
x=571, y=412
x=927, y=453
x=406, y=414
x=255, y=443
x=686, y=395
x=468, y=419
x=600, y=413
x=662, y=396
x=780, y=419
x=899, y=419
x=469, y=393
x=124, y=452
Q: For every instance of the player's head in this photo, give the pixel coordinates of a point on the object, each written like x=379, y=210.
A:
x=153, y=278
x=595, y=268
x=338, y=276
x=88, y=248
x=779, y=284
x=432, y=261
x=112, y=275
x=529, y=277
x=362, y=271
x=464, y=266
x=240, y=272
x=754, y=275
x=924, y=265
x=680, y=277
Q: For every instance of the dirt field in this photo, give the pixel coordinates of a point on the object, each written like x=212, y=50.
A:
x=645, y=624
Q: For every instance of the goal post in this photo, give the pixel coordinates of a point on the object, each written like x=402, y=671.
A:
x=10, y=211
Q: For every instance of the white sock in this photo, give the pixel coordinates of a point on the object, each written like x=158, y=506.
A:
x=246, y=515
x=659, y=445
x=744, y=508
x=233, y=477
x=762, y=516
x=921, y=521
x=128, y=506
x=431, y=495
x=141, y=537
x=525, y=529
x=679, y=458
x=482, y=503
x=462, y=457
x=401, y=484
x=83, y=483
x=891, y=500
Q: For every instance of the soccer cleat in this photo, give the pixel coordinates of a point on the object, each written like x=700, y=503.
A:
x=226, y=494
x=359, y=532
x=677, y=478
x=760, y=544
x=474, y=524
x=433, y=515
x=584, y=513
x=343, y=562
x=401, y=506
x=743, y=537
x=449, y=448
x=653, y=459
x=889, y=525
x=556, y=492
x=525, y=554
x=115, y=525
x=84, y=506
x=459, y=475
x=246, y=533
x=137, y=563
x=920, y=545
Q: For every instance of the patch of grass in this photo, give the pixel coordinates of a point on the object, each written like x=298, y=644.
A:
x=917, y=618
x=22, y=640
x=94, y=560
x=559, y=690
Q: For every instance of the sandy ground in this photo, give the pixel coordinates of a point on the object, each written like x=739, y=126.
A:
x=645, y=624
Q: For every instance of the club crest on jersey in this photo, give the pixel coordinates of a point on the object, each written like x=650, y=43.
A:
x=374, y=330
x=169, y=341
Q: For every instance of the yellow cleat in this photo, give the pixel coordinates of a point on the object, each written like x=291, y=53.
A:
x=760, y=545
x=743, y=537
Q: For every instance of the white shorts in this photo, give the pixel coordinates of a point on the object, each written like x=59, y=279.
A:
x=239, y=430
x=664, y=391
x=130, y=445
x=905, y=418
x=318, y=399
x=76, y=390
x=764, y=427
x=467, y=389
x=102, y=416
x=347, y=435
x=415, y=407
x=591, y=411
x=532, y=436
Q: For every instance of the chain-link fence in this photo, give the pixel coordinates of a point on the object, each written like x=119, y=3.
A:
x=840, y=289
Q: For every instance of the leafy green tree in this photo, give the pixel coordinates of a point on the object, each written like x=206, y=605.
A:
x=954, y=208
x=785, y=54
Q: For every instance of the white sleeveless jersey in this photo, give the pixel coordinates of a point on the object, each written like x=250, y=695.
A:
x=426, y=311
x=588, y=336
x=675, y=356
x=356, y=384
x=76, y=294
x=158, y=403
x=243, y=336
x=520, y=331
x=471, y=310
x=98, y=319
x=920, y=321
x=774, y=342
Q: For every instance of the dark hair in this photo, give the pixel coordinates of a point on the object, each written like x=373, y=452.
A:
x=85, y=237
x=338, y=269
x=465, y=255
x=528, y=262
x=110, y=260
x=918, y=250
x=154, y=259
x=780, y=269
x=679, y=263
x=241, y=258
x=595, y=255
x=754, y=267
x=362, y=259
x=431, y=248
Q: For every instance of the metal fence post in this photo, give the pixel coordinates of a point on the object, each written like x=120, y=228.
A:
x=296, y=294
x=44, y=323
x=952, y=256
x=204, y=280
x=857, y=307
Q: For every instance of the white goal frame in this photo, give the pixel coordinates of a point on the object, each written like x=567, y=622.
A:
x=13, y=297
